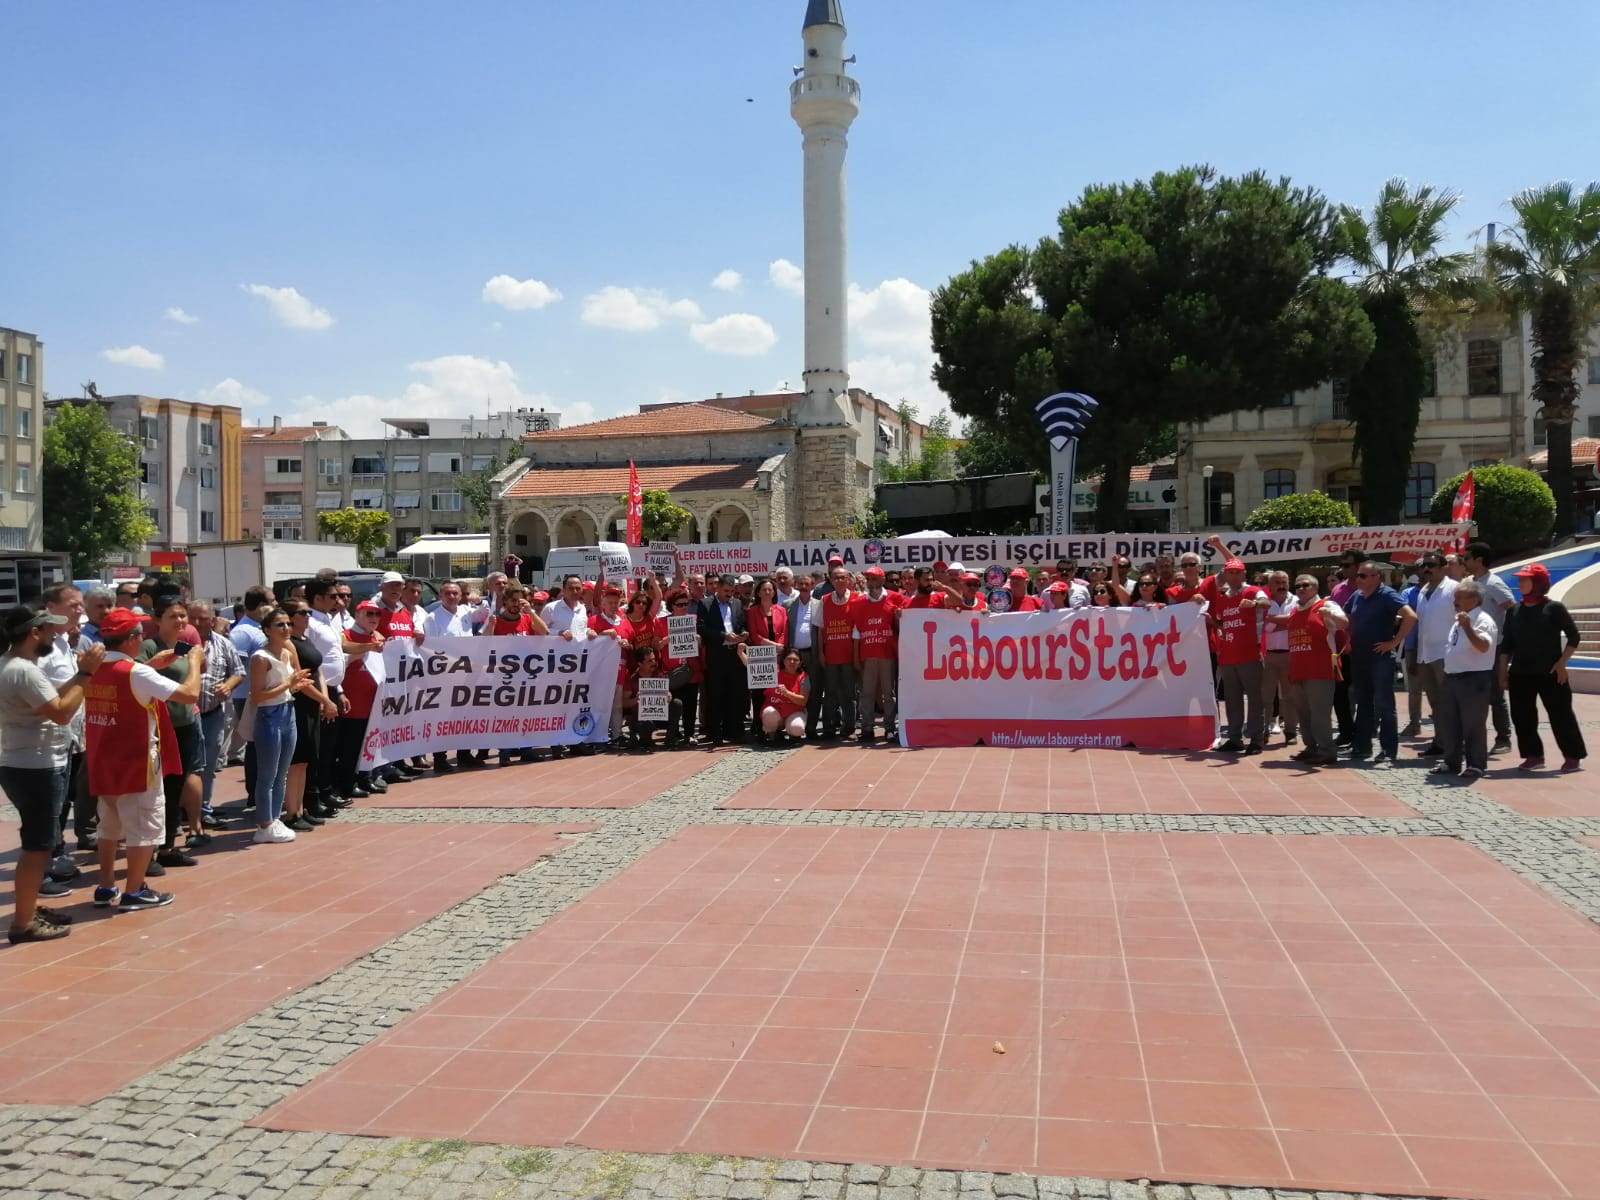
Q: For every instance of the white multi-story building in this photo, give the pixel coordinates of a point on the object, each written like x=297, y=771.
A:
x=21, y=392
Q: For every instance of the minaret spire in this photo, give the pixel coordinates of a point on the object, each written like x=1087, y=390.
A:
x=824, y=101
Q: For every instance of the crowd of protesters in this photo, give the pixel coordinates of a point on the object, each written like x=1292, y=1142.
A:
x=119, y=707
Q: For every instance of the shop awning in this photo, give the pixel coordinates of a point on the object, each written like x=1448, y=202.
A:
x=464, y=545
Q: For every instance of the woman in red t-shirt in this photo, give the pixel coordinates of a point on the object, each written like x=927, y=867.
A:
x=768, y=623
x=609, y=622
x=514, y=618
x=785, y=709
x=361, y=676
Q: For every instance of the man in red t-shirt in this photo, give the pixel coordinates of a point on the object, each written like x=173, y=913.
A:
x=1235, y=613
x=874, y=620
x=925, y=593
x=838, y=657
x=395, y=621
x=1020, y=600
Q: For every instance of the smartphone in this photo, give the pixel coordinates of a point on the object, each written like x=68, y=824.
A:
x=182, y=648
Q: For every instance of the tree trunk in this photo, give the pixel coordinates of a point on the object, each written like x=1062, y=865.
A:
x=1111, y=510
x=1555, y=391
x=1386, y=403
x=1559, y=473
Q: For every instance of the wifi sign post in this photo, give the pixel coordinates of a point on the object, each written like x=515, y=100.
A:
x=1064, y=416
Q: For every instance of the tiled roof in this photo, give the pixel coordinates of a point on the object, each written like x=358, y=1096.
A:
x=613, y=481
x=289, y=433
x=680, y=418
x=1153, y=472
x=1583, y=452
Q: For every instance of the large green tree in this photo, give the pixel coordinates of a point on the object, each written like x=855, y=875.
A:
x=1401, y=275
x=367, y=529
x=937, y=460
x=90, y=482
x=1170, y=300
x=1547, y=268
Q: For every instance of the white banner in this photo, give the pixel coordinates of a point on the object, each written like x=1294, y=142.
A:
x=761, y=666
x=1086, y=677
x=490, y=693
x=976, y=553
x=655, y=697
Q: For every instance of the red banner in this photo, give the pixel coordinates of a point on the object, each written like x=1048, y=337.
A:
x=1461, y=510
x=635, y=507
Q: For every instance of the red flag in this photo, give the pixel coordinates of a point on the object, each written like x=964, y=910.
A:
x=636, y=507
x=1461, y=510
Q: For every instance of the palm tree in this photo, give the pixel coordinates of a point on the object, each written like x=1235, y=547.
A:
x=1400, y=271
x=1548, y=269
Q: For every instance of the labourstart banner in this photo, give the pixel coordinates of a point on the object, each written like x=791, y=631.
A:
x=490, y=693
x=1083, y=677
x=977, y=553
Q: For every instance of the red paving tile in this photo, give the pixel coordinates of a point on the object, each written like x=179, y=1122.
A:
x=598, y=781
x=1023, y=1001
x=84, y=1016
x=1545, y=793
x=989, y=779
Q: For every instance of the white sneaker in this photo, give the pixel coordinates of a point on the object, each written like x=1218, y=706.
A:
x=276, y=832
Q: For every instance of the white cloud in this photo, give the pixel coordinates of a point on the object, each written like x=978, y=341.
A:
x=784, y=274
x=450, y=386
x=182, y=318
x=134, y=356
x=231, y=391
x=635, y=310
x=517, y=294
x=737, y=333
x=290, y=307
x=890, y=323
x=727, y=281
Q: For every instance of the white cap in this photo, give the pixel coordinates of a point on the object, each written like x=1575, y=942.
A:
x=955, y=566
x=392, y=577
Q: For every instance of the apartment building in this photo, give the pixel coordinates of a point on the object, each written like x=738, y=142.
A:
x=21, y=393
x=278, y=478
x=188, y=467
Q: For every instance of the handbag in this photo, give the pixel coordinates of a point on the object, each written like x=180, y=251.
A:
x=679, y=677
x=247, y=721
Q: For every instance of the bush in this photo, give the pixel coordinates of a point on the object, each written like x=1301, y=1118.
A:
x=1301, y=510
x=1515, y=509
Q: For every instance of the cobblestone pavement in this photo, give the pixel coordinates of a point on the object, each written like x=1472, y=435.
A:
x=183, y=1128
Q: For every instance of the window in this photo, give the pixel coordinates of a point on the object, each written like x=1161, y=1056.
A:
x=208, y=521
x=281, y=531
x=1420, y=487
x=408, y=499
x=154, y=516
x=1277, y=483
x=372, y=465
x=366, y=498
x=1483, y=367
x=24, y=368
x=1286, y=400
x=1430, y=374
x=480, y=462
x=1344, y=483
x=24, y=422
x=1541, y=433
x=286, y=466
x=1219, y=498
x=327, y=501
x=208, y=478
x=149, y=472
x=208, y=435
x=24, y=478
x=149, y=428
x=1594, y=427
x=1341, y=399
x=1594, y=368
x=444, y=464
x=407, y=463
x=330, y=469
x=2, y=364
x=445, y=502
x=1483, y=462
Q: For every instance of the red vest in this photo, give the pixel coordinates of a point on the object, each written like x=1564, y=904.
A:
x=1309, y=654
x=117, y=733
x=837, y=645
x=1238, y=629
x=874, y=621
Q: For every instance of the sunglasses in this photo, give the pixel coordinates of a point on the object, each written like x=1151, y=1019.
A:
x=1366, y=574
x=1300, y=587
x=1101, y=592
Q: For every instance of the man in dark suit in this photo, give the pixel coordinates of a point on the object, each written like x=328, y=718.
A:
x=722, y=629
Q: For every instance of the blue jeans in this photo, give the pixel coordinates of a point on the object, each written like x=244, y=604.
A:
x=212, y=752
x=274, y=742
x=1372, y=694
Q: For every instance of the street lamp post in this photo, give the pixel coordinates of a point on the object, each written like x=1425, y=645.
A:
x=1205, y=508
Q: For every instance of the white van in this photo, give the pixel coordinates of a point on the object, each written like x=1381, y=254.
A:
x=562, y=561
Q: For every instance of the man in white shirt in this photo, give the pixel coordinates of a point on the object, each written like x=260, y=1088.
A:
x=1498, y=600
x=783, y=580
x=494, y=587
x=803, y=636
x=60, y=664
x=1275, y=666
x=323, y=631
x=1462, y=718
x=1436, y=616
x=449, y=617
x=567, y=618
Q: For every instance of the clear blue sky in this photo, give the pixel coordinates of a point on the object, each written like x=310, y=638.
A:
x=386, y=161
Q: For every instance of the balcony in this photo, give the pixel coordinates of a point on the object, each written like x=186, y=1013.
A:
x=366, y=479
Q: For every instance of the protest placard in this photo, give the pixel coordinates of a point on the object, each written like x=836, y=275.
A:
x=682, y=641
x=655, y=695
x=661, y=559
x=761, y=666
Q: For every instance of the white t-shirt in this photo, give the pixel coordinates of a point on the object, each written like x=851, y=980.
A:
x=1460, y=655
x=1436, y=617
x=1278, y=635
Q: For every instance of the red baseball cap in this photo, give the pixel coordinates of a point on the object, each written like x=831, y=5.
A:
x=835, y=560
x=541, y=597
x=873, y=572
x=1531, y=571
x=611, y=589
x=1018, y=573
x=970, y=577
x=1058, y=587
x=1234, y=564
x=369, y=606
x=940, y=567
x=119, y=623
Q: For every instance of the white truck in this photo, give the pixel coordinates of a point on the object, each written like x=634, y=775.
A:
x=220, y=572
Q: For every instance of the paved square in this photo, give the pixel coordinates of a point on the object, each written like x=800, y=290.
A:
x=1393, y=1015
x=85, y=1015
x=990, y=779
x=598, y=781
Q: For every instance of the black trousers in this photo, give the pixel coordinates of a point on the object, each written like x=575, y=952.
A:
x=1526, y=693
x=685, y=700
x=728, y=699
x=816, y=676
x=1343, y=713
x=348, y=734
x=320, y=779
